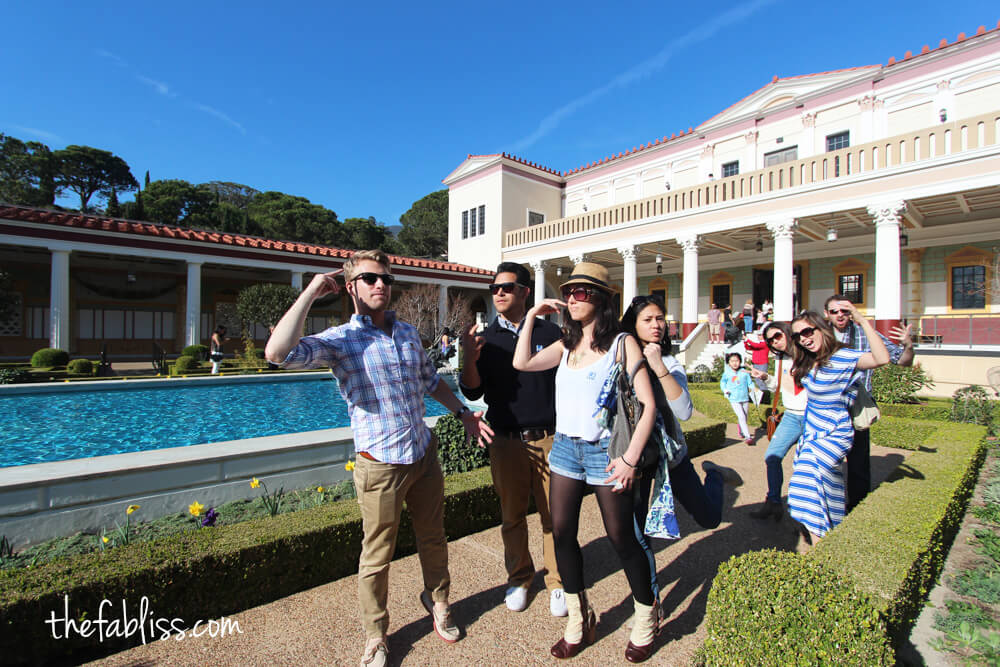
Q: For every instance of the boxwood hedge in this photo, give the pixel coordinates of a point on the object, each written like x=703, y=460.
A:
x=853, y=598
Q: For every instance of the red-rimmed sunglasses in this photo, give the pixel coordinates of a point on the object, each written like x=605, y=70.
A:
x=578, y=293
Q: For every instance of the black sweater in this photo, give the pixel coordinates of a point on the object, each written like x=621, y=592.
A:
x=516, y=399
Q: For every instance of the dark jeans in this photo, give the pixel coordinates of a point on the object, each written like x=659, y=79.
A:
x=859, y=469
x=703, y=503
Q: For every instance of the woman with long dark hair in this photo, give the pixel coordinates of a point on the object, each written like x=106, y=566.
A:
x=828, y=371
x=585, y=357
x=646, y=320
x=778, y=337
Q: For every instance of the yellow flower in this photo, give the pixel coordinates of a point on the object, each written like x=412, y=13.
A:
x=131, y=508
x=195, y=508
x=349, y=466
x=254, y=483
x=319, y=489
x=105, y=539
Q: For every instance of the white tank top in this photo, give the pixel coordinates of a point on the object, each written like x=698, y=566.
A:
x=577, y=390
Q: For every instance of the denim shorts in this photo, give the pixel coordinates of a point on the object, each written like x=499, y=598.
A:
x=580, y=459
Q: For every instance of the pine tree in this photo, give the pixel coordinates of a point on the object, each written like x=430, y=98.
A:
x=146, y=186
x=140, y=212
x=113, y=210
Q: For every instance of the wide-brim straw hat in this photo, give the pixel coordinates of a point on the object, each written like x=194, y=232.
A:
x=590, y=274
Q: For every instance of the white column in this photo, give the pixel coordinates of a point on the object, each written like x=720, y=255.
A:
x=442, y=305
x=689, y=303
x=297, y=280
x=538, y=267
x=59, y=301
x=630, y=277
x=888, y=288
x=784, y=273
x=192, y=326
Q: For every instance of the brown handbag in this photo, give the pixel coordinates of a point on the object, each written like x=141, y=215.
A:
x=773, y=416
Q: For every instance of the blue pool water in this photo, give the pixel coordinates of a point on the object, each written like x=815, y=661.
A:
x=35, y=428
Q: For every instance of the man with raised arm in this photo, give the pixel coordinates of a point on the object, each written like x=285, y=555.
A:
x=848, y=332
x=383, y=373
x=522, y=412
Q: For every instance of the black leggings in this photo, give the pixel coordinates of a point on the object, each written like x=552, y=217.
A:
x=617, y=511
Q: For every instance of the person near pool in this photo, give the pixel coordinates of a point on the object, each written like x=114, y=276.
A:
x=584, y=357
x=853, y=335
x=645, y=319
x=522, y=412
x=216, y=353
x=383, y=373
x=828, y=371
x=778, y=336
x=735, y=385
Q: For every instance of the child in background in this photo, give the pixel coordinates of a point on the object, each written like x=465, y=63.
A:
x=735, y=386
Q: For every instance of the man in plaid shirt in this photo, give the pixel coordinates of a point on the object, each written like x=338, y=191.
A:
x=848, y=332
x=383, y=373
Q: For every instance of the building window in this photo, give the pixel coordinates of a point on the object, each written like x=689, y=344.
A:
x=13, y=325
x=482, y=220
x=852, y=285
x=968, y=285
x=465, y=224
x=472, y=222
x=731, y=168
x=103, y=324
x=535, y=218
x=834, y=142
x=37, y=323
x=782, y=155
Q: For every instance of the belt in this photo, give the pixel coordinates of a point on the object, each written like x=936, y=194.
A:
x=529, y=434
x=368, y=456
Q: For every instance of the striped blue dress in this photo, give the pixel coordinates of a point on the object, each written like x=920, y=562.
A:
x=816, y=490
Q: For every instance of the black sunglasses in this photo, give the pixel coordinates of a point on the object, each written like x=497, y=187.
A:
x=839, y=312
x=370, y=278
x=777, y=335
x=807, y=332
x=581, y=294
x=506, y=287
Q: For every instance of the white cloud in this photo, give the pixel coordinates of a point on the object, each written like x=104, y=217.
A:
x=643, y=70
x=158, y=86
x=110, y=56
x=35, y=132
x=220, y=115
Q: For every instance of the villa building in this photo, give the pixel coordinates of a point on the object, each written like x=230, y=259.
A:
x=881, y=182
x=85, y=282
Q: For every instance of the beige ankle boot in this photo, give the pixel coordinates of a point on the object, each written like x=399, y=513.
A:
x=645, y=627
x=574, y=621
x=581, y=626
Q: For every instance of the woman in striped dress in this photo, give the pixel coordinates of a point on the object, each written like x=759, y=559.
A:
x=827, y=370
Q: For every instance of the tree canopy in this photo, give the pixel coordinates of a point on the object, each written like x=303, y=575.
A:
x=264, y=303
x=425, y=226
x=89, y=171
x=27, y=172
x=178, y=202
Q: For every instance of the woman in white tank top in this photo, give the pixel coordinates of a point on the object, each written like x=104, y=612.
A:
x=579, y=454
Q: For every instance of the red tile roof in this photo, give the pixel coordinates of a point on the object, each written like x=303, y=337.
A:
x=93, y=222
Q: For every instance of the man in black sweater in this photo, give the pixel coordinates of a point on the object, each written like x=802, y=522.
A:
x=521, y=410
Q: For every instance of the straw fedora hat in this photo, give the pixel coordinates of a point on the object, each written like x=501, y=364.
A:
x=590, y=274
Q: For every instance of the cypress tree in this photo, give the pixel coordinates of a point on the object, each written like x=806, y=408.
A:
x=113, y=210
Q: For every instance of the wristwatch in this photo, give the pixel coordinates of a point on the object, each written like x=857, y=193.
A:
x=461, y=413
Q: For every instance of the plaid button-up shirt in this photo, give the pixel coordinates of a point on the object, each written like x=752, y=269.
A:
x=859, y=341
x=383, y=379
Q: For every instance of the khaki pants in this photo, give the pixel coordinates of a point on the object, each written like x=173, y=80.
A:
x=520, y=471
x=382, y=488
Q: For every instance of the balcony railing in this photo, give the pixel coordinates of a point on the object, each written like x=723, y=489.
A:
x=969, y=330
x=937, y=141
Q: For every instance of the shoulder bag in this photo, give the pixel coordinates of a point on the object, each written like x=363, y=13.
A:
x=773, y=415
x=628, y=409
x=864, y=411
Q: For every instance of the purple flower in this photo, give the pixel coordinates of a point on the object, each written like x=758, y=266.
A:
x=210, y=516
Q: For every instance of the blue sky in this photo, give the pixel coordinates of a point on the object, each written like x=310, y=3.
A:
x=365, y=108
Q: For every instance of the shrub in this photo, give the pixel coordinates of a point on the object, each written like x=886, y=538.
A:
x=766, y=604
x=185, y=364
x=972, y=405
x=718, y=368
x=701, y=374
x=199, y=352
x=13, y=375
x=703, y=435
x=902, y=433
x=899, y=384
x=81, y=367
x=455, y=454
x=48, y=357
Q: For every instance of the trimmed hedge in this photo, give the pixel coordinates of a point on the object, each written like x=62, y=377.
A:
x=903, y=433
x=81, y=367
x=185, y=364
x=47, y=357
x=213, y=572
x=853, y=598
x=198, y=351
x=712, y=403
x=703, y=435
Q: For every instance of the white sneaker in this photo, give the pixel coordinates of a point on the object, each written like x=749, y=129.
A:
x=516, y=598
x=557, y=603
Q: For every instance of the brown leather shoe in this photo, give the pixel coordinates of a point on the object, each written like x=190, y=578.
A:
x=563, y=649
x=635, y=653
